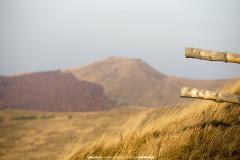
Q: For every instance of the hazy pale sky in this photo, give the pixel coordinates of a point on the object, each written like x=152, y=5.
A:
x=39, y=35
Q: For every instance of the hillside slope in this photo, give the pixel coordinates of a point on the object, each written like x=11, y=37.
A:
x=132, y=81
x=51, y=91
x=201, y=130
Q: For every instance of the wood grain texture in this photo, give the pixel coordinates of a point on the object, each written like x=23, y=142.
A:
x=209, y=95
x=212, y=55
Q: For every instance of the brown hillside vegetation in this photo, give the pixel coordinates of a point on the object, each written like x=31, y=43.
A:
x=132, y=81
x=51, y=91
x=201, y=130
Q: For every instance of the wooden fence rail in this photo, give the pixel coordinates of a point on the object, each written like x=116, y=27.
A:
x=212, y=55
x=187, y=92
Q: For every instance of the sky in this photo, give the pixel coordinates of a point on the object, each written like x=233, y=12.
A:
x=41, y=35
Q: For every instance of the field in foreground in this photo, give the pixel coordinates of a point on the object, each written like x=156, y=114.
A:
x=26, y=135
x=200, y=130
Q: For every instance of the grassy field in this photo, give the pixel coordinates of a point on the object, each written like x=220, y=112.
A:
x=26, y=135
x=200, y=130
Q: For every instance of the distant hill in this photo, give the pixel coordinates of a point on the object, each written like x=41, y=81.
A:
x=51, y=91
x=112, y=82
x=132, y=81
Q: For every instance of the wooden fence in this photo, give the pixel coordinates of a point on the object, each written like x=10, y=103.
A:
x=205, y=94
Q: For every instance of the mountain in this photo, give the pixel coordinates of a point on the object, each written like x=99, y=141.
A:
x=133, y=82
x=51, y=91
x=115, y=81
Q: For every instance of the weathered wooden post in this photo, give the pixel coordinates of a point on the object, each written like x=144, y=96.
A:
x=212, y=55
x=205, y=94
x=209, y=95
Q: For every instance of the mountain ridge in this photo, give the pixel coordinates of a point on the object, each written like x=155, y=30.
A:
x=111, y=82
x=132, y=81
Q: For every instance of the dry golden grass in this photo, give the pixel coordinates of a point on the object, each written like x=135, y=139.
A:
x=27, y=135
x=200, y=130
